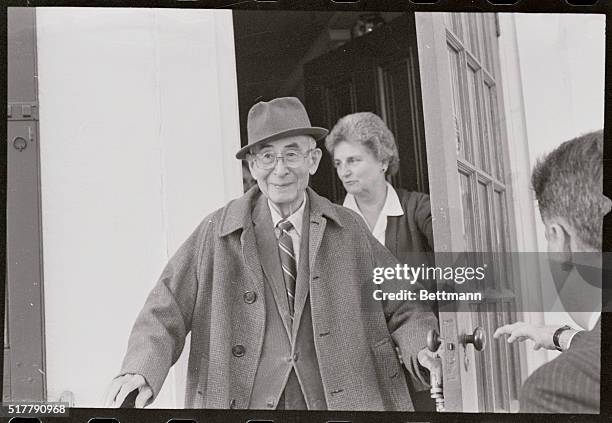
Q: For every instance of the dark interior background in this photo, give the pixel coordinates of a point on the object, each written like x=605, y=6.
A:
x=273, y=46
x=335, y=70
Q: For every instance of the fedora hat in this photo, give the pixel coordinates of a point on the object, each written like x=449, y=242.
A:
x=275, y=119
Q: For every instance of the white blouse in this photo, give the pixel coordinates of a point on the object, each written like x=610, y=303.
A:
x=392, y=207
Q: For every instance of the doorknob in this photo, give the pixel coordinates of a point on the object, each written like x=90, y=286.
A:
x=433, y=340
x=478, y=339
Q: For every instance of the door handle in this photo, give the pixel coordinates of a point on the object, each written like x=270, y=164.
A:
x=435, y=374
x=477, y=338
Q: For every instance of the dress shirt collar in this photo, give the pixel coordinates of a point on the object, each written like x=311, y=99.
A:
x=295, y=218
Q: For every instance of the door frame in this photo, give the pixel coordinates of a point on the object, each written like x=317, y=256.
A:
x=24, y=355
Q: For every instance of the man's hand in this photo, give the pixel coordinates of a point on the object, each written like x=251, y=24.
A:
x=121, y=386
x=542, y=336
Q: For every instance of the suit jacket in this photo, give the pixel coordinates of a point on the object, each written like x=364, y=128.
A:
x=410, y=238
x=213, y=287
x=284, y=337
x=570, y=382
x=412, y=232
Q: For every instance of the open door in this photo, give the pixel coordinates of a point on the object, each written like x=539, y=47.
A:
x=471, y=199
x=377, y=72
x=452, y=143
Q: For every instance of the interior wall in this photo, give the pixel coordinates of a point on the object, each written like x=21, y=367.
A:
x=138, y=128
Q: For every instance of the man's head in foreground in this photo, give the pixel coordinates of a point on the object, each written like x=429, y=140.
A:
x=282, y=152
x=568, y=185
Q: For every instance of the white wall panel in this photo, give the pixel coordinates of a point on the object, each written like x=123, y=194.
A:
x=137, y=147
x=561, y=59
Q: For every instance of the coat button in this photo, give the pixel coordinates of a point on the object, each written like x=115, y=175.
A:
x=270, y=403
x=295, y=357
x=238, y=350
x=250, y=297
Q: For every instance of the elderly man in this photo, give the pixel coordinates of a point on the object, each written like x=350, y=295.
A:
x=274, y=290
x=568, y=187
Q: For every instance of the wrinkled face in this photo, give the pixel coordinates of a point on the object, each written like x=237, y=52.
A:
x=358, y=169
x=285, y=182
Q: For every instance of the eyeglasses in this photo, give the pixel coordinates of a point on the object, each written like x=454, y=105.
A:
x=292, y=158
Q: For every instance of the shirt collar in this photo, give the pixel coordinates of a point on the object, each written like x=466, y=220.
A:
x=392, y=206
x=295, y=218
x=593, y=320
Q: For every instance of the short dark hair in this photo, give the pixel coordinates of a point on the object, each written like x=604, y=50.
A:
x=568, y=183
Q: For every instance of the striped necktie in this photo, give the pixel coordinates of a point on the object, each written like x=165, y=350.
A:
x=288, y=263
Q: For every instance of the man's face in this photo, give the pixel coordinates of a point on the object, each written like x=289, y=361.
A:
x=578, y=296
x=555, y=237
x=284, y=183
x=559, y=253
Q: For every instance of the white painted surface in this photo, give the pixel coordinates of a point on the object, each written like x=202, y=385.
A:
x=520, y=174
x=562, y=66
x=139, y=124
x=562, y=70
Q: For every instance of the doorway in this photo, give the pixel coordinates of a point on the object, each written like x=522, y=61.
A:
x=321, y=59
x=318, y=58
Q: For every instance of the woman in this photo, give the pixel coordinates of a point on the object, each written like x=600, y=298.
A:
x=364, y=153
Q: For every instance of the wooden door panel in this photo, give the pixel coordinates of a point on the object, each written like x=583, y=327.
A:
x=378, y=73
x=326, y=104
x=463, y=117
x=400, y=98
x=6, y=382
x=25, y=376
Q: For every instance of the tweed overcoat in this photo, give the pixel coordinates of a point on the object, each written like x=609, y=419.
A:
x=213, y=287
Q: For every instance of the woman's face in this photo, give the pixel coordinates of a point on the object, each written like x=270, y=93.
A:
x=358, y=168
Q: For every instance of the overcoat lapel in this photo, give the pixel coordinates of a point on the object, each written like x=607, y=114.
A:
x=318, y=208
x=240, y=217
x=316, y=230
x=249, y=252
x=303, y=277
x=267, y=248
